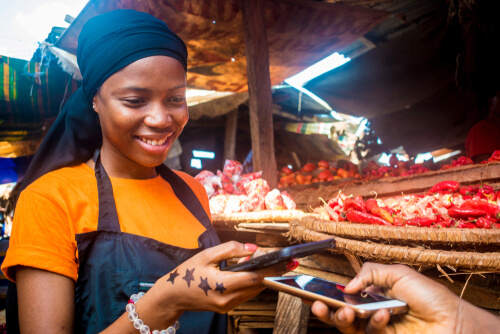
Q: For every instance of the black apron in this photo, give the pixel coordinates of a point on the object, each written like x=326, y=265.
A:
x=113, y=265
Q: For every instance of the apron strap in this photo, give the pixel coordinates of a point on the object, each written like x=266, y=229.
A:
x=185, y=194
x=108, y=217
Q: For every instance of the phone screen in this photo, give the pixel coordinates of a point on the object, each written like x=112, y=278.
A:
x=331, y=290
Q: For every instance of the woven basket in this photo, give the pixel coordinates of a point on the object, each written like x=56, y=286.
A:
x=265, y=216
x=233, y=220
x=383, y=253
x=443, y=238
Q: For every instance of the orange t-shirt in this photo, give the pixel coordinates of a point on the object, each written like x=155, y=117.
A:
x=62, y=203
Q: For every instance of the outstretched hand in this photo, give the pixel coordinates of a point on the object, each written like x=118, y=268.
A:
x=432, y=307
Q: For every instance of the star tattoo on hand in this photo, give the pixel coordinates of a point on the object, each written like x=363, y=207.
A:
x=189, y=276
x=173, y=276
x=220, y=287
x=204, y=285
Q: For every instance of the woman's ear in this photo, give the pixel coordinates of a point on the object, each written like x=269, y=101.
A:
x=94, y=105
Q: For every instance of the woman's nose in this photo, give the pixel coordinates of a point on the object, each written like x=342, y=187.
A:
x=158, y=117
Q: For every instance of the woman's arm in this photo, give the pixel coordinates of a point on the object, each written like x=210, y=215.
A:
x=46, y=301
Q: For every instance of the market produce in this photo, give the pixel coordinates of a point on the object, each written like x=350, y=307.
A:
x=312, y=173
x=229, y=191
x=445, y=205
x=402, y=168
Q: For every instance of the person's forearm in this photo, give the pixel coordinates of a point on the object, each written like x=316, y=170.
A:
x=157, y=309
x=472, y=319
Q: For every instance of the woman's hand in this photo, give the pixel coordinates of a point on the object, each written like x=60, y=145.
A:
x=199, y=285
x=432, y=307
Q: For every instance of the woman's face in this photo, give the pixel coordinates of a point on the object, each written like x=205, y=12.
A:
x=142, y=110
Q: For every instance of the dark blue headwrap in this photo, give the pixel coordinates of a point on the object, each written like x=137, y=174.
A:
x=107, y=43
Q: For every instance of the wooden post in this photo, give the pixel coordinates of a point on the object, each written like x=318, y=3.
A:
x=292, y=315
x=259, y=90
x=230, y=136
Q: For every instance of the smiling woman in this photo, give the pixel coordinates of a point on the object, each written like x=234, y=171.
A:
x=141, y=114
x=103, y=232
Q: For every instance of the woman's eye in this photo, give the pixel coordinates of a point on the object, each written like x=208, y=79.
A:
x=133, y=102
x=178, y=99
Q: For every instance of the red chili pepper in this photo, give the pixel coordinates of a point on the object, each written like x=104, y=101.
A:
x=373, y=208
x=333, y=203
x=495, y=156
x=332, y=213
x=462, y=213
x=491, y=209
x=451, y=186
x=420, y=221
x=466, y=225
x=483, y=223
x=441, y=224
x=466, y=191
x=398, y=221
x=356, y=203
x=365, y=218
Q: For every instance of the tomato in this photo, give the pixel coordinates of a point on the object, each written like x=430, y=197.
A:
x=309, y=177
x=308, y=167
x=331, y=178
x=287, y=171
x=287, y=179
x=324, y=174
x=316, y=180
x=323, y=164
x=300, y=178
x=342, y=173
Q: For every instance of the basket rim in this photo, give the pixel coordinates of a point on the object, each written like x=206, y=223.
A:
x=402, y=233
x=260, y=216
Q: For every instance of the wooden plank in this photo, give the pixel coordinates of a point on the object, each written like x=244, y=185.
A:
x=300, y=270
x=259, y=90
x=230, y=135
x=256, y=306
x=266, y=226
x=271, y=240
x=292, y=316
x=329, y=262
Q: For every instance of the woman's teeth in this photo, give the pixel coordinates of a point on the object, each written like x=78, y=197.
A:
x=153, y=142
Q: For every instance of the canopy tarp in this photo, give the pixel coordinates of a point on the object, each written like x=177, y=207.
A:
x=299, y=34
x=30, y=93
x=406, y=88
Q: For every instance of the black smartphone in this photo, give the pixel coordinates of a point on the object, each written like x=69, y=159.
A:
x=282, y=255
x=313, y=288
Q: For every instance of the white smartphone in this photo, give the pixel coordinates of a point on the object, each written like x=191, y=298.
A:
x=331, y=293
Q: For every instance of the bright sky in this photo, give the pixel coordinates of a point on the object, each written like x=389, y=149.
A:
x=24, y=23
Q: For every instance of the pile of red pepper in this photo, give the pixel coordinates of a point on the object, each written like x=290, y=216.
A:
x=461, y=161
x=446, y=205
x=401, y=168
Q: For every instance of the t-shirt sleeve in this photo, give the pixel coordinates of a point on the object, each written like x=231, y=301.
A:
x=41, y=237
